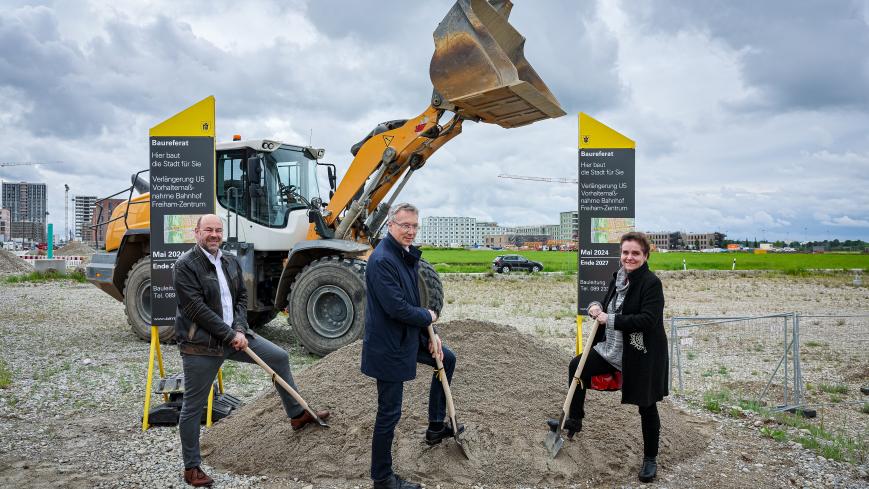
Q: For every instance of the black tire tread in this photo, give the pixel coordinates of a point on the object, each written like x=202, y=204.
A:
x=297, y=305
x=431, y=289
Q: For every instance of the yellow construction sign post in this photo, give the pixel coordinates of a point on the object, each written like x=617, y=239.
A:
x=606, y=209
x=181, y=155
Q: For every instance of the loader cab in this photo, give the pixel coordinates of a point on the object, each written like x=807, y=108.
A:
x=264, y=181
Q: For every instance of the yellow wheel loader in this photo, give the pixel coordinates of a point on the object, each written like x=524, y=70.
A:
x=306, y=256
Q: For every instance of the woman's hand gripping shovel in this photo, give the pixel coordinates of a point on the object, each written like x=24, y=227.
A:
x=276, y=378
x=451, y=408
x=553, y=440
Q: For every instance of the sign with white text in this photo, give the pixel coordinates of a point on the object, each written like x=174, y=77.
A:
x=606, y=206
x=182, y=189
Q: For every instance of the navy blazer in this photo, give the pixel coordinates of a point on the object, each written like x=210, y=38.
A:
x=393, y=316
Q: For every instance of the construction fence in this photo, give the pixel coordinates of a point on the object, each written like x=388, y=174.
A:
x=784, y=361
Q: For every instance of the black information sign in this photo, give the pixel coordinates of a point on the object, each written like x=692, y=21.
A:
x=606, y=212
x=182, y=189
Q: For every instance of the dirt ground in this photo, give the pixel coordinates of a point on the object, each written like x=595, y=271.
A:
x=70, y=416
x=10, y=264
x=505, y=386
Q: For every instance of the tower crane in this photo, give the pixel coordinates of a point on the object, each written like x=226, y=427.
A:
x=26, y=163
x=540, y=179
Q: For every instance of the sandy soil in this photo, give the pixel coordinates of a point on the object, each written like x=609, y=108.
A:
x=506, y=385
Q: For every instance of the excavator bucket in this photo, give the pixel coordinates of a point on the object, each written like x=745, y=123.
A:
x=479, y=66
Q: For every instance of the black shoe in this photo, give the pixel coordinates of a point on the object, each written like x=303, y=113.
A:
x=573, y=426
x=433, y=437
x=649, y=470
x=395, y=482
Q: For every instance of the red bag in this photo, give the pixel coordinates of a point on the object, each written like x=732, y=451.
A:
x=607, y=382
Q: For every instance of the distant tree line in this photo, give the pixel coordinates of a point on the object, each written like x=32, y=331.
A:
x=857, y=245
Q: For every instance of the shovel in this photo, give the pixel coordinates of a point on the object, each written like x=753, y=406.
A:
x=285, y=385
x=553, y=440
x=451, y=408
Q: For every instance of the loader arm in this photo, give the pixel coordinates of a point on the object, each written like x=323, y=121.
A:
x=379, y=164
x=479, y=72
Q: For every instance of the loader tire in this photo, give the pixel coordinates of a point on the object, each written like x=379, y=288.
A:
x=327, y=304
x=137, y=302
x=431, y=289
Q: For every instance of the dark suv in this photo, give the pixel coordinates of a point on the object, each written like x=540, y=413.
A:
x=506, y=263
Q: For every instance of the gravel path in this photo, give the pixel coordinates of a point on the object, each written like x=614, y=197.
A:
x=71, y=416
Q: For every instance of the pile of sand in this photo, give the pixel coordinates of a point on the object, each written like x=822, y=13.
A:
x=505, y=387
x=74, y=248
x=10, y=264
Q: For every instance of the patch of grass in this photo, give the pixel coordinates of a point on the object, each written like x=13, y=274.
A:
x=691, y=355
x=809, y=442
x=833, y=388
x=713, y=400
x=832, y=452
x=865, y=408
x=233, y=373
x=49, y=372
x=564, y=313
x=776, y=434
x=721, y=370
x=814, y=344
x=75, y=276
x=5, y=375
x=754, y=406
x=791, y=264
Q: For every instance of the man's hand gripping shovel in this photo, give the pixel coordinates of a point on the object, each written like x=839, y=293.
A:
x=553, y=440
x=451, y=408
x=276, y=378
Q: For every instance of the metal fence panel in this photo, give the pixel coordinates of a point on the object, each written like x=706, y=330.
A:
x=745, y=356
x=834, y=357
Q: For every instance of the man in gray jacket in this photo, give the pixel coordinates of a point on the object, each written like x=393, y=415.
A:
x=211, y=326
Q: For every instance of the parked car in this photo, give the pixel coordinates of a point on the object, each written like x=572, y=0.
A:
x=508, y=263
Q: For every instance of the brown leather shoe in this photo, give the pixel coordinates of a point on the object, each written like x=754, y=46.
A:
x=197, y=478
x=306, y=418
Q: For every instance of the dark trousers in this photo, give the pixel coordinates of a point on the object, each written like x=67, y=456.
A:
x=199, y=374
x=389, y=397
x=596, y=365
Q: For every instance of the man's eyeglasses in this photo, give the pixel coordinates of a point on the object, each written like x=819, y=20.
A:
x=405, y=226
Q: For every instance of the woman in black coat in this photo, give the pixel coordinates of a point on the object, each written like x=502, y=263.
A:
x=630, y=339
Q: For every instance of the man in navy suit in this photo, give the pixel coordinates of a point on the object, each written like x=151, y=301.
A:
x=396, y=338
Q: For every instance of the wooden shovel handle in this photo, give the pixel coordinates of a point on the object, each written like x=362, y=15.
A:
x=277, y=378
x=442, y=374
x=573, y=383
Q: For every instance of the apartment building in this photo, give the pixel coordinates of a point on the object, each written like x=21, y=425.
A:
x=84, y=212
x=5, y=225
x=27, y=210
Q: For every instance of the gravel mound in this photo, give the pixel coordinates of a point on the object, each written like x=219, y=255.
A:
x=10, y=264
x=505, y=387
x=75, y=248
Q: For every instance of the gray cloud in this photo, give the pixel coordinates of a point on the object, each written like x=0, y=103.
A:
x=808, y=54
x=747, y=116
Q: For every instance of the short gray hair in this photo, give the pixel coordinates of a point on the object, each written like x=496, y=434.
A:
x=404, y=206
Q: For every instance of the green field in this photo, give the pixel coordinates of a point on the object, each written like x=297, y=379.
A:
x=459, y=260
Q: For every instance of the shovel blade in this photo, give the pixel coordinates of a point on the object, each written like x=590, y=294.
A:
x=321, y=422
x=461, y=444
x=553, y=443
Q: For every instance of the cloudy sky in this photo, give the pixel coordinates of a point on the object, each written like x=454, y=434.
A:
x=751, y=118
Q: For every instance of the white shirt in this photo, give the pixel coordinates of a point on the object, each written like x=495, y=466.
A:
x=225, y=294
